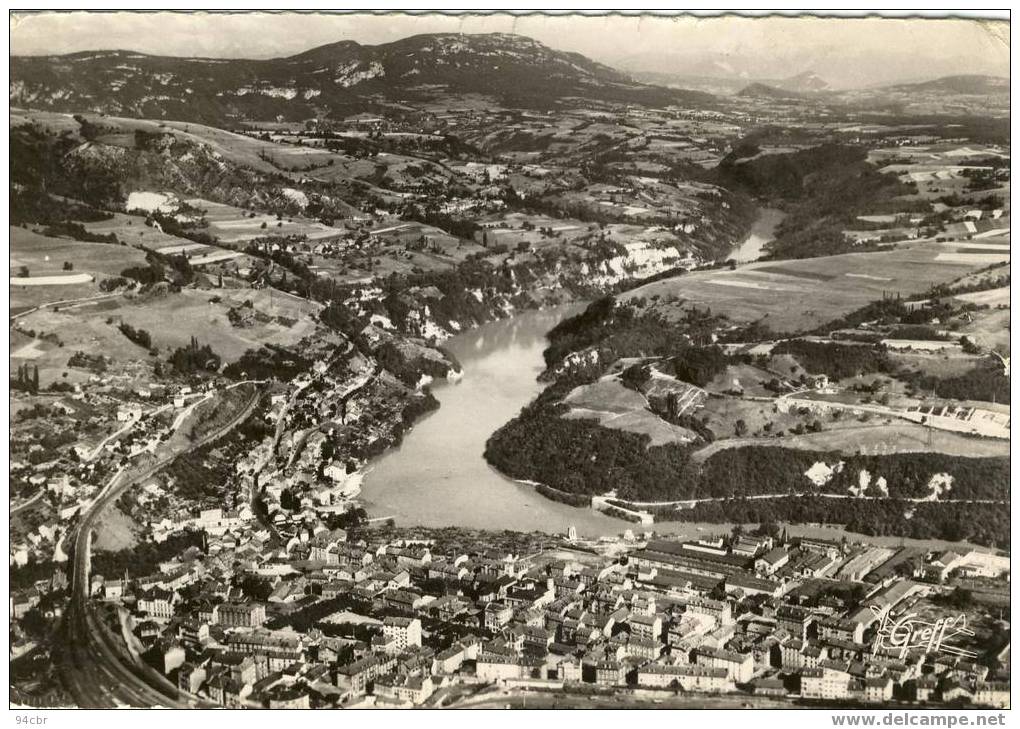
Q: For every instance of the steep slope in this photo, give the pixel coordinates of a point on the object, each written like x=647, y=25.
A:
x=335, y=79
x=807, y=82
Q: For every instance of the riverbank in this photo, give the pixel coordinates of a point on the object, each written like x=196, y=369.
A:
x=763, y=231
x=438, y=476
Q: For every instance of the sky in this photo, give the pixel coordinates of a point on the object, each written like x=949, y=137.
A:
x=847, y=52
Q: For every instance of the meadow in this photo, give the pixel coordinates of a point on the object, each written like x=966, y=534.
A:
x=44, y=256
x=799, y=295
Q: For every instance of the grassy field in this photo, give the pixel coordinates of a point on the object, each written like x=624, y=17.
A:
x=720, y=414
x=236, y=226
x=83, y=329
x=744, y=378
x=992, y=297
x=171, y=320
x=131, y=229
x=45, y=256
x=932, y=364
x=804, y=294
x=193, y=313
x=990, y=329
x=620, y=408
x=894, y=437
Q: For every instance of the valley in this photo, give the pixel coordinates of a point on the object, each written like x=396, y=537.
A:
x=285, y=331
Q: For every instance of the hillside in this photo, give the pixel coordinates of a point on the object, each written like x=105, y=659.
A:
x=334, y=80
x=764, y=91
x=965, y=84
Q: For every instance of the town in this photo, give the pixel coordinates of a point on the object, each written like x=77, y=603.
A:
x=464, y=370
x=373, y=617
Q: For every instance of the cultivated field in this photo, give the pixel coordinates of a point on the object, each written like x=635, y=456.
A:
x=881, y=439
x=993, y=297
x=234, y=225
x=194, y=313
x=170, y=319
x=131, y=229
x=990, y=329
x=803, y=294
x=45, y=257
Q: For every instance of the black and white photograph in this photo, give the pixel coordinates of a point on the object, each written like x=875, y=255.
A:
x=509, y=360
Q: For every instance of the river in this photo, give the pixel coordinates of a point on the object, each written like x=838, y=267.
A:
x=762, y=231
x=438, y=476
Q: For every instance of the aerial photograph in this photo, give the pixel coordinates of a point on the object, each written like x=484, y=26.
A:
x=366, y=360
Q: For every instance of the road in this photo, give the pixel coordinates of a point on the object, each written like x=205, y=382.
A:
x=689, y=503
x=28, y=503
x=496, y=698
x=70, y=302
x=93, y=666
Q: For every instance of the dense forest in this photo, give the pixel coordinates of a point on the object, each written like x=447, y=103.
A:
x=770, y=470
x=268, y=362
x=194, y=358
x=581, y=457
x=139, y=336
x=986, y=524
x=822, y=189
x=986, y=382
x=835, y=360
x=618, y=330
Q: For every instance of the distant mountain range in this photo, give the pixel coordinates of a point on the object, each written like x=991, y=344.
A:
x=335, y=79
x=345, y=78
x=949, y=89
x=967, y=84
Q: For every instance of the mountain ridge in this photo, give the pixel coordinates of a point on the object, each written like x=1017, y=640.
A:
x=334, y=78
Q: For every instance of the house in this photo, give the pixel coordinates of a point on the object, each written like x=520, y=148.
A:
x=355, y=676
x=496, y=615
x=403, y=633
x=193, y=632
x=768, y=687
x=569, y=669
x=157, y=603
x=738, y=666
x=449, y=660
x=746, y=546
x=609, y=672
x=405, y=688
x=129, y=412
x=283, y=696
x=771, y=561
x=992, y=693
x=239, y=615
x=940, y=567
x=824, y=684
x=642, y=648
x=645, y=627
x=718, y=609
x=878, y=690
x=742, y=584
x=190, y=677
x=925, y=688
x=687, y=677
x=498, y=667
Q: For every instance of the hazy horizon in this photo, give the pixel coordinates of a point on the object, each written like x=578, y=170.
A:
x=846, y=52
